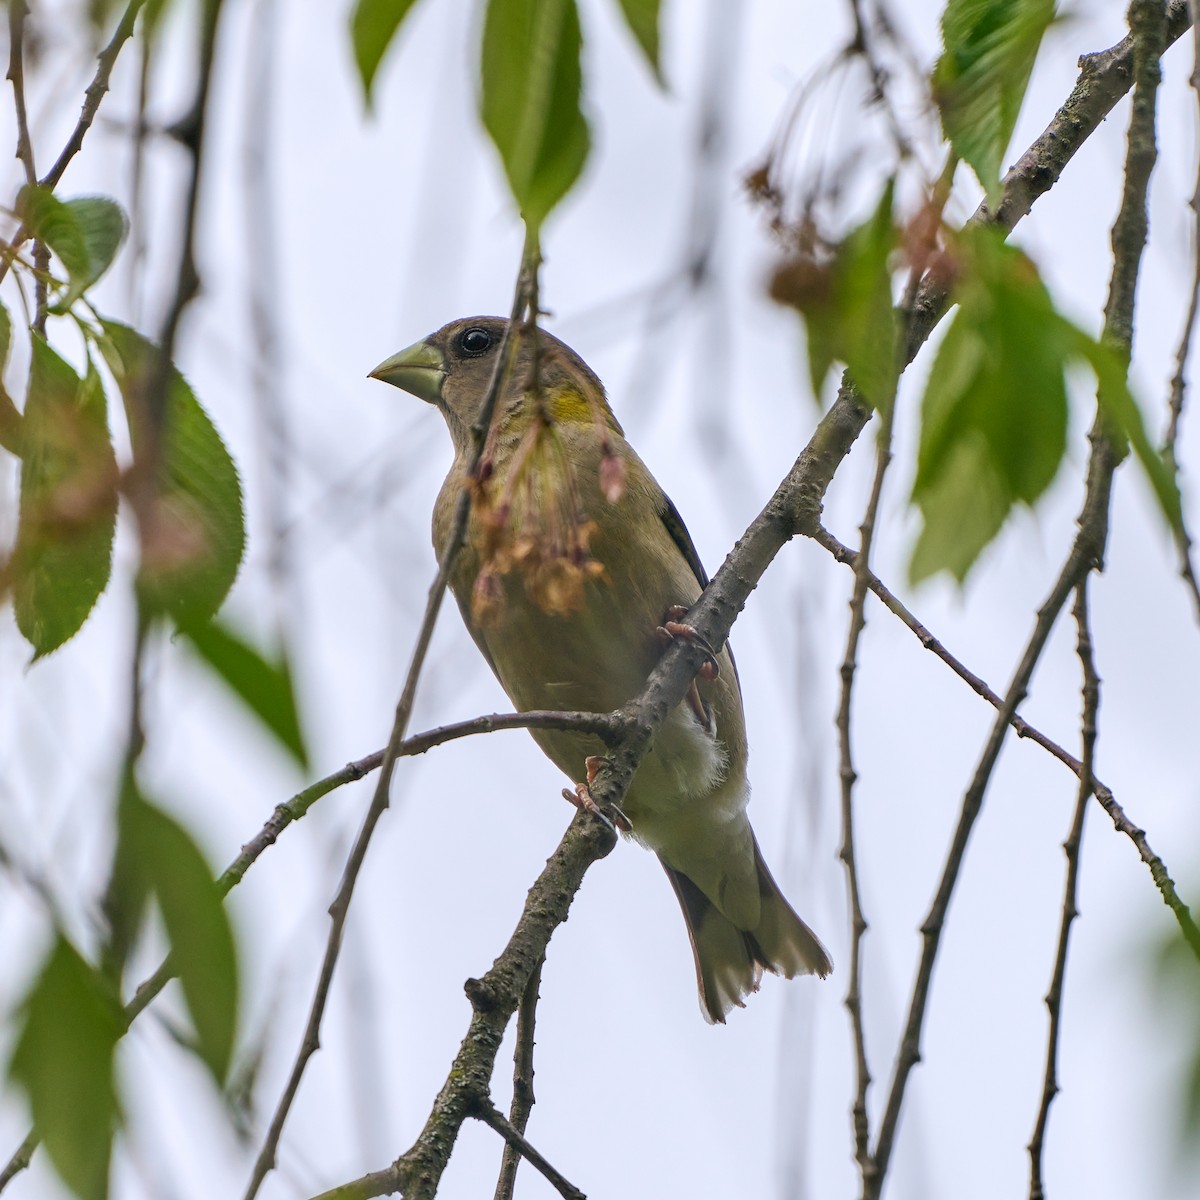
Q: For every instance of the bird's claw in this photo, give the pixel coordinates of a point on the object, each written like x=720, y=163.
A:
x=582, y=798
x=672, y=628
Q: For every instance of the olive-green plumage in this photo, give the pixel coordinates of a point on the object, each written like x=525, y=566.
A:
x=573, y=556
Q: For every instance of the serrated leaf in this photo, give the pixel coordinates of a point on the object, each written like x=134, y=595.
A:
x=84, y=233
x=191, y=555
x=530, y=99
x=63, y=1061
x=373, y=25
x=197, y=925
x=264, y=685
x=642, y=17
x=68, y=507
x=979, y=81
x=994, y=414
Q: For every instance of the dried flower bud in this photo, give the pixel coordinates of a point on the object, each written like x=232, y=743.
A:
x=612, y=475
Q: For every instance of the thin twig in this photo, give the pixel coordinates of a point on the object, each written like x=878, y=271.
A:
x=1183, y=539
x=190, y=131
x=515, y=1141
x=1090, y=690
x=848, y=775
x=494, y=999
x=523, y=1098
x=603, y=725
x=339, y=909
x=1023, y=729
x=18, y=10
x=92, y=97
x=1148, y=31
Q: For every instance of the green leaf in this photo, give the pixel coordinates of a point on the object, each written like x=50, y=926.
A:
x=197, y=925
x=1125, y=417
x=642, y=17
x=373, y=25
x=530, y=99
x=10, y=416
x=994, y=414
x=980, y=80
x=847, y=305
x=64, y=1062
x=191, y=555
x=68, y=511
x=85, y=234
x=264, y=685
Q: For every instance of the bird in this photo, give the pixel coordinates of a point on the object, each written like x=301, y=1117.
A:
x=575, y=569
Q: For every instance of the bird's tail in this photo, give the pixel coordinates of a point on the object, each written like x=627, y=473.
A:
x=730, y=961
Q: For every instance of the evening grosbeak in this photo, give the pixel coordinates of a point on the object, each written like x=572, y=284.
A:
x=573, y=562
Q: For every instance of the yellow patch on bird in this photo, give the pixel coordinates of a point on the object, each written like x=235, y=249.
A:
x=566, y=405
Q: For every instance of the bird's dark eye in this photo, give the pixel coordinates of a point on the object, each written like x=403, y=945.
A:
x=475, y=341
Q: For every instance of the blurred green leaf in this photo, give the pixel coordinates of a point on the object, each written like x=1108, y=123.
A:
x=980, y=80
x=68, y=507
x=642, y=17
x=846, y=303
x=264, y=685
x=1121, y=409
x=85, y=234
x=64, y=1062
x=197, y=924
x=191, y=556
x=530, y=99
x=373, y=25
x=10, y=416
x=994, y=414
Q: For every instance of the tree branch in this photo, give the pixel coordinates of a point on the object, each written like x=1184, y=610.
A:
x=514, y=1140
x=523, y=1097
x=1023, y=729
x=1071, y=847
x=1148, y=32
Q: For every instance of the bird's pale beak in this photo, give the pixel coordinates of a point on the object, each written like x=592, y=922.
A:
x=420, y=369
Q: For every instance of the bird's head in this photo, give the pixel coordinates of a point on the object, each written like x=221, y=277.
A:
x=453, y=369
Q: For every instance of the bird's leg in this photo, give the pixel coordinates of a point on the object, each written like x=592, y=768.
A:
x=672, y=628
x=581, y=797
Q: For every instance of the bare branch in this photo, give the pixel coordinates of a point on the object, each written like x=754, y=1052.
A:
x=92, y=97
x=848, y=776
x=1071, y=847
x=494, y=999
x=523, y=1097
x=514, y=1140
x=1148, y=31
x=1183, y=538
x=1023, y=729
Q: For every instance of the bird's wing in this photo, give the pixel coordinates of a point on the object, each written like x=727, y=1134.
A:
x=680, y=536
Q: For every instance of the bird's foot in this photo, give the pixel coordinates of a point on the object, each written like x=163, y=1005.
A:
x=582, y=798
x=672, y=628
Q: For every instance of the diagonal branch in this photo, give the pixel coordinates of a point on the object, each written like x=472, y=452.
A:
x=1023, y=729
